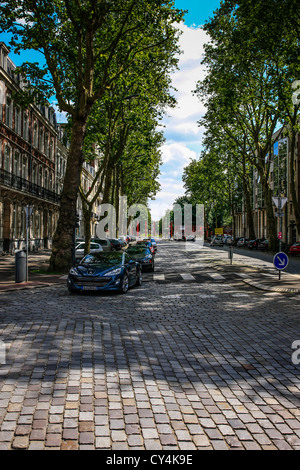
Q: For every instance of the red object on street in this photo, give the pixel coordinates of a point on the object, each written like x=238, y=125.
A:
x=279, y=235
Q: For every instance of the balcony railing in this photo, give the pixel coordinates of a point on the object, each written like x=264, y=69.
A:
x=16, y=182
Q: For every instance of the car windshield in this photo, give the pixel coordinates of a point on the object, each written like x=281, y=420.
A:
x=137, y=250
x=107, y=259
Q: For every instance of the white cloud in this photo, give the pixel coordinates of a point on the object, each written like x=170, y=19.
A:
x=182, y=133
x=178, y=153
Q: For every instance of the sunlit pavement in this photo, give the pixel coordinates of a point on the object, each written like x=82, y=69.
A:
x=194, y=359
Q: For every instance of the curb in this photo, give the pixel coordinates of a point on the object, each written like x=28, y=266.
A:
x=283, y=290
x=258, y=285
x=13, y=288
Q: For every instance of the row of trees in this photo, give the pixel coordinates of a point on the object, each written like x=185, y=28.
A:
x=98, y=54
x=252, y=63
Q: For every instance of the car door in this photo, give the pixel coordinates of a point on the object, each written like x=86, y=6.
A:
x=131, y=268
x=79, y=250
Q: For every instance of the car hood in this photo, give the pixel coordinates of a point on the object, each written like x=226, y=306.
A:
x=95, y=270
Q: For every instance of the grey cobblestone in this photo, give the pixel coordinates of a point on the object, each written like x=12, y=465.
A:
x=148, y=371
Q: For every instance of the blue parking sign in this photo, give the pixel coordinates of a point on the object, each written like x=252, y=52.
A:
x=280, y=261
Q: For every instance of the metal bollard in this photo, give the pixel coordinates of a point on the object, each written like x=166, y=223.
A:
x=20, y=266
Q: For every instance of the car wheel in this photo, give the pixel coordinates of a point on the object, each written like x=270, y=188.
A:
x=125, y=284
x=139, y=278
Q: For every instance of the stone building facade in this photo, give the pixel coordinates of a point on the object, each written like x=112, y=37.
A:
x=28, y=153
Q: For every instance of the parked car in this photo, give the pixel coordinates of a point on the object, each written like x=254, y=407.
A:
x=116, y=244
x=217, y=240
x=229, y=240
x=152, y=240
x=295, y=249
x=113, y=271
x=190, y=238
x=104, y=242
x=252, y=244
x=143, y=255
x=242, y=242
x=146, y=243
x=123, y=241
x=79, y=249
x=263, y=244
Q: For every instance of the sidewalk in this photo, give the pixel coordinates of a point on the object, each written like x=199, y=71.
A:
x=38, y=261
x=265, y=279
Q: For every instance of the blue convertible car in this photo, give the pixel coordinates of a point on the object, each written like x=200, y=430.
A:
x=105, y=271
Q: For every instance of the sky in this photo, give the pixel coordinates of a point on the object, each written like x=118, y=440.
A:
x=183, y=136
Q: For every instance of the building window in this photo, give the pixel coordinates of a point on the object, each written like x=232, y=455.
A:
x=40, y=181
x=16, y=169
x=25, y=168
x=8, y=112
x=35, y=136
x=42, y=142
x=7, y=157
x=25, y=126
x=34, y=173
x=18, y=121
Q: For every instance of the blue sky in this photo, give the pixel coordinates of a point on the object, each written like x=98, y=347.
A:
x=182, y=133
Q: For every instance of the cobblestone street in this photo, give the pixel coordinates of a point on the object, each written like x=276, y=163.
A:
x=182, y=364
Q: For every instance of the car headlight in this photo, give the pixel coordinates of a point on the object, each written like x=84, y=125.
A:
x=73, y=271
x=113, y=272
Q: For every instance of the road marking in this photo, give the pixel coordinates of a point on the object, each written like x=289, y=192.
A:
x=187, y=277
x=158, y=277
x=216, y=276
x=240, y=295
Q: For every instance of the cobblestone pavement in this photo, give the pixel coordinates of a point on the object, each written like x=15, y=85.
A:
x=172, y=365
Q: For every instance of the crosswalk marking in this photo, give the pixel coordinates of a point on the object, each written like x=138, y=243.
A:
x=187, y=277
x=216, y=276
x=158, y=277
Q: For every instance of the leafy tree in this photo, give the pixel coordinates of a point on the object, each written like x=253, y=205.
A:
x=279, y=44
x=240, y=95
x=87, y=45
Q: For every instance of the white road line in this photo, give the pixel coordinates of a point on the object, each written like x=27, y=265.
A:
x=158, y=277
x=216, y=276
x=240, y=295
x=187, y=277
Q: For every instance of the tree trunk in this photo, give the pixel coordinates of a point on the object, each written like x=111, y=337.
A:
x=271, y=225
x=249, y=212
x=87, y=230
x=63, y=240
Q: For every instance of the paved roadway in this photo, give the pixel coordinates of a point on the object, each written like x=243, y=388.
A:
x=193, y=359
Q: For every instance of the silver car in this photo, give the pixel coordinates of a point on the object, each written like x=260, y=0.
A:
x=94, y=248
x=217, y=241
